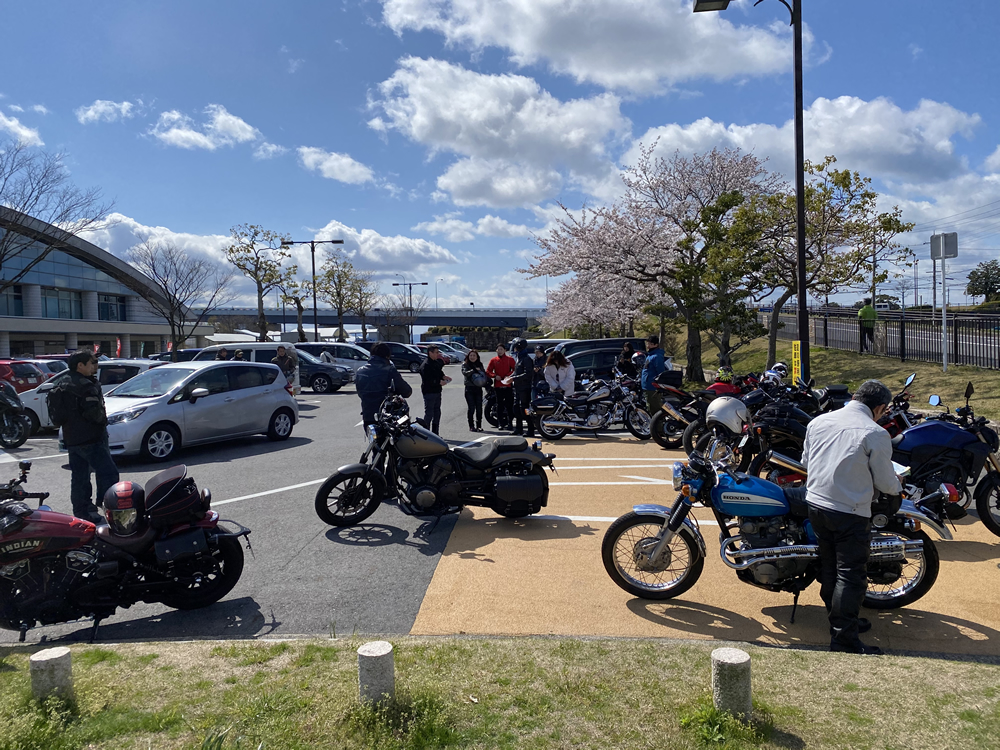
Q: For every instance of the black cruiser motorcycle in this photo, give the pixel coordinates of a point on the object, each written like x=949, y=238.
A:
x=427, y=477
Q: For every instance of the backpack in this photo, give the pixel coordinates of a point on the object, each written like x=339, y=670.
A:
x=60, y=404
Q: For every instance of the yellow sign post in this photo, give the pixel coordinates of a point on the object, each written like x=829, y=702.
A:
x=796, y=360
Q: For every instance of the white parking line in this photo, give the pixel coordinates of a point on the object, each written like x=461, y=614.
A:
x=620, y=466
x=269, y=492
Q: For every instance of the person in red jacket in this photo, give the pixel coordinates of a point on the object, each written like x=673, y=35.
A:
x=501, y=369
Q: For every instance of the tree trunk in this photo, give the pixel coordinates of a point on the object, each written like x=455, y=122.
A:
x=340, y=326
x=663, y=328
x=772, y=327
x=693, y=352
x=299, y=311
x=364, y=328
x=261, y=319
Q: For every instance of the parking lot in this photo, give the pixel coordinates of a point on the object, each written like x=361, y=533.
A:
x=479, y=573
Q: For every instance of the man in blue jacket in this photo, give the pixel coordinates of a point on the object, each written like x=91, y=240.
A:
x=655, y=364
x=374, y=380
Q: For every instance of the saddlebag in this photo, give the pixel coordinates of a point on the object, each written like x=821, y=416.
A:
x=520, y=495
x=184, y=545
x=172, y=498
x=544, y=405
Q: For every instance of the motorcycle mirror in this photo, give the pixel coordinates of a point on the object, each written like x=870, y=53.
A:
x=969, y=390
x=934, y=400
x=909, y=381
x=198, y=393
x=24, y=466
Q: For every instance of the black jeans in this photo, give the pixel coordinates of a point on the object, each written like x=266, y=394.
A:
x=505, y=406
x=522, y=400
x=867, y=337
x=843, y=555
x=432, y=412
x=474, y=398
x=83, y=459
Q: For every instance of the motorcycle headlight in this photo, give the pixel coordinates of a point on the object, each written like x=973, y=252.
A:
x=372, y=432
x=678, y=475
x=991, y=438
x=126, y=416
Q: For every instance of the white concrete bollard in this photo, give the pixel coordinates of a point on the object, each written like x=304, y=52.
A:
x=52, y=673
x=376, y=672
x=731, y=682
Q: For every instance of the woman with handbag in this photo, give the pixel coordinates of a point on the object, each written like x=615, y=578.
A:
x=475, y=380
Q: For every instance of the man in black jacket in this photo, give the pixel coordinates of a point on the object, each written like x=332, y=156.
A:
x=85, y=435
x=524, y=374
x=432, y=378
x=374, y=380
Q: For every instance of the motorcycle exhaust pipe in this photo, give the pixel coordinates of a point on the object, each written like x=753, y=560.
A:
x=895, y=550
x=569, y=425
x=779, y=459
x=882, y=550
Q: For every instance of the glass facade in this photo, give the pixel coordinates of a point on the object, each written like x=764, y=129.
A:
x=60, y=270
x=110, y=307
x=61, y=303
x=10, y=301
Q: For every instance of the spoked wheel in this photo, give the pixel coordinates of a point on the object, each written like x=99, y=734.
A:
x=219, y=576
x=347, y=499
x=637, y=422
x=896, y=584
x=988, y=502
x=763, y=468
x=666, y=431
x=626, y=546
x=692, y=433
x=551, y=433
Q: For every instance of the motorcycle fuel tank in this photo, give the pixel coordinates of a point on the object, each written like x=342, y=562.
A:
x=422, y=443
x=941, y=435
x=749, y=497
x=45, y=531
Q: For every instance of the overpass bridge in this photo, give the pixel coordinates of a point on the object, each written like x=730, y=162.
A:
x=471, y=317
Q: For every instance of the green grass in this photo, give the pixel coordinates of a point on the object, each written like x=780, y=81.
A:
x=537, y=693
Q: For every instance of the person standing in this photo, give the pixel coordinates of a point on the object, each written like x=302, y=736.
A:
x=432, y=379
x=867, y=316
x=653, y=366
x=625, y=364
x=238, y=357
x=475, y=379
x=222, y=354
x=849, y=457
x=538, y=381
x=524, y=374
x=326, y=356
x=560, y=373
x=501, y=369
x=285, y=362
x=78, y=407
x=374, y=381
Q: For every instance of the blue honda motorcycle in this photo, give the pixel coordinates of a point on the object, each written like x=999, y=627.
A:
x=656, y=552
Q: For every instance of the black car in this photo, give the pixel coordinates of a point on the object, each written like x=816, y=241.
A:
x=402, y=356
x=183, y=355
x=321, y=376
x=594, y=364
x=572, y=347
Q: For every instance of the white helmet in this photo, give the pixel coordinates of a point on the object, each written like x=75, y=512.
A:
x=729, y=412
x=639, y=359
x=770, y=378
x=781, y=368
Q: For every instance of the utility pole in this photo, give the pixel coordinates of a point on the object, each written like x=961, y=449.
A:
x=409, y=285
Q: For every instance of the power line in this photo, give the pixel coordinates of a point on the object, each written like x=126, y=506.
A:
x=935, y=222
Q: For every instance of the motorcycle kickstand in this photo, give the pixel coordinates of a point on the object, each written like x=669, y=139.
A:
x=22, y=631
x=795, y=606
x=93, y=630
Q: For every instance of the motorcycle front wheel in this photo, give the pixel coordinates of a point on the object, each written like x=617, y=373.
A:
x=692, y=434
x=665, y=430
x=14, y=430
x=897, y=584
x=550, y=433
x=637, y=422
x=490, y=412
x=627, y=542
x=988, y=502
x=214, y=584
x=348, y=499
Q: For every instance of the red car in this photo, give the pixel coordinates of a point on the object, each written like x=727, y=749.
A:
x=22, y=375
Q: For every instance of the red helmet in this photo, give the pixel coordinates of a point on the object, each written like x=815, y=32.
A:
x=125, y=507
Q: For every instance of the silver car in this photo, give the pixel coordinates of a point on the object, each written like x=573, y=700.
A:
x=190, y=403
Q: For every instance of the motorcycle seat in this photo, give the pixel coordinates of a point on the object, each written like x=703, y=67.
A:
x=483, y=454
x=796, y=498
x=131, y=544
x=576, y=400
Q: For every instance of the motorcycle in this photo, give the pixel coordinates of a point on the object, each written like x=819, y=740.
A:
x=15, y=425
x=681, y=411
x=955, y=449
x=162, y=545
x=601, y=406
x=427, y=477
x=658, y=552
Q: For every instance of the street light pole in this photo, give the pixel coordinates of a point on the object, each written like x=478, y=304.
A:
x=410, y=285
x=312, y=252
x=436, y=307
x=800, y=179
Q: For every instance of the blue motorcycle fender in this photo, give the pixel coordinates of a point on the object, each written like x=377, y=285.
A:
x=661, y=510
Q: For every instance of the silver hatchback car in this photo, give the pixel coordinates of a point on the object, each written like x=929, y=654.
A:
x=191, y=403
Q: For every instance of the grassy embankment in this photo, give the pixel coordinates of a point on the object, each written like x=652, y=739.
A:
x=494, y=693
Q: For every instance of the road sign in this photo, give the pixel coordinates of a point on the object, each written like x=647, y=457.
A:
x=944, y=245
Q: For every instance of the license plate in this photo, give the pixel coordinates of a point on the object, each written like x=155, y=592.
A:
x=744, y=441
x=32, y=380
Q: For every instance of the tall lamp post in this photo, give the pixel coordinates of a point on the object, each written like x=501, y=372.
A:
x=800, y=180
x=436, y=307
x=312, y=250
x=409, y=285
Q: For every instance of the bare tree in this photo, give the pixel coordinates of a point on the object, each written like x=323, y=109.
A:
x=336, y=284
x=364, y=298
x=403, y=310
x=263, y=257
x=189, y=288
x=36, y=183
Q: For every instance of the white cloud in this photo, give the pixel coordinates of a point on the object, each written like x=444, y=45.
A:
x=494, y=226
x=40, y=109
x=876, y=137
x=123, y=232
x=335, y=166
x=515, y=136
x=453, y=230
x=294, y=65
x=268, y=151
x=386, y=255
x=992, y=163
x=638, y=45
x=103, y=110
x=221, y=129
x=15, y=108
x=512, y=289
x=916, y=50
x=20, y=132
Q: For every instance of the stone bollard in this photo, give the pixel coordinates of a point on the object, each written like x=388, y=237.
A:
x=731, y=682
x=376, y=672
x=51, y=673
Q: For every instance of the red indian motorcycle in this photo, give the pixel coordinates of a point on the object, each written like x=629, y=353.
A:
x=162, y=544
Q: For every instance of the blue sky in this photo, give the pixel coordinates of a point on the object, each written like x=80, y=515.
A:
x=435, y=136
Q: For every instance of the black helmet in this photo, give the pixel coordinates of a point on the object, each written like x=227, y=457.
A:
x=519, y=344
x=125, y=507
